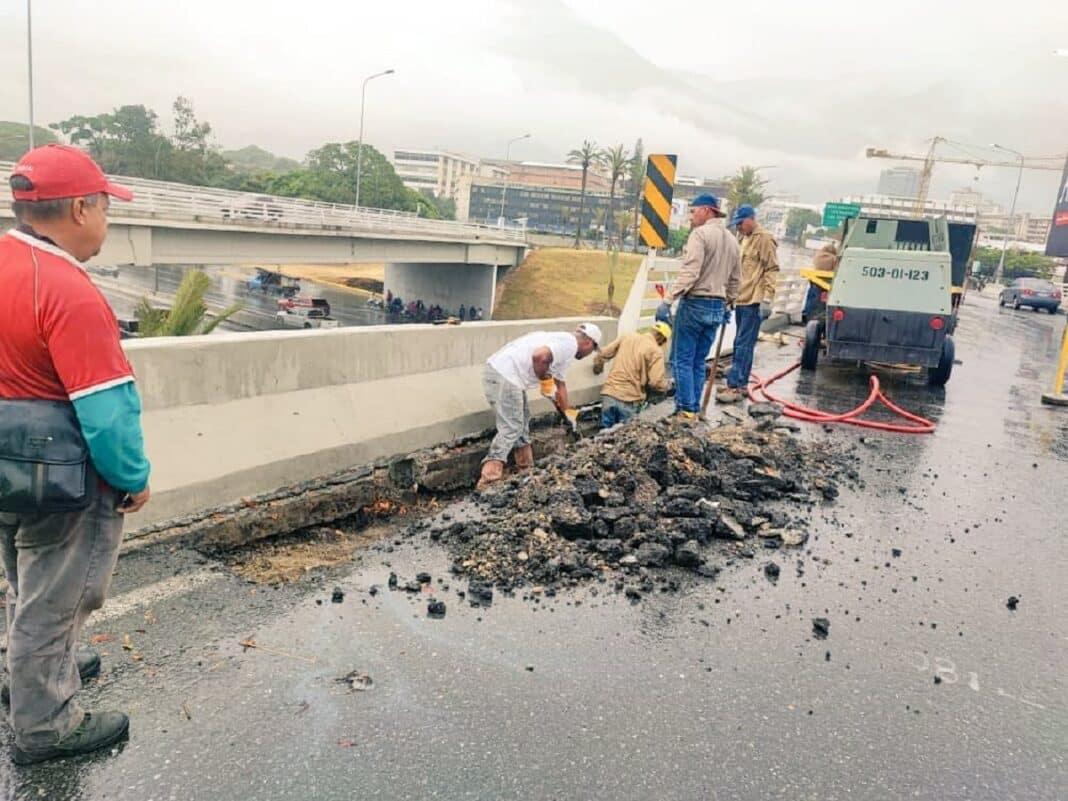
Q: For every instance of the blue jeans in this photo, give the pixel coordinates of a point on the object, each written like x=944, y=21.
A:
x=696, y=325
x=614, y=412
x=748, y=318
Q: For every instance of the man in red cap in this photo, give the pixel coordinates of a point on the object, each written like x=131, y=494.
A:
x=64, y=379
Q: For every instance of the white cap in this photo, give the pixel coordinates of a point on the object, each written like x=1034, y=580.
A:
x=592, y=331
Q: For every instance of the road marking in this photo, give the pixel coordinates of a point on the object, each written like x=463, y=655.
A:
x=151, y=594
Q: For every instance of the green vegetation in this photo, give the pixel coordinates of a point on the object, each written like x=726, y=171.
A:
x=129, y=141
x=589, y=155
x=14, y=139
x=798, y=221
x=637, y=186
x=1018, y=264
x=677, y=239
x=618, y=163
x=746, y=187
x=561, y=282
x=188, y=315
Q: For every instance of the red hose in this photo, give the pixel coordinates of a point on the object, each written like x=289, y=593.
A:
x=810, y=415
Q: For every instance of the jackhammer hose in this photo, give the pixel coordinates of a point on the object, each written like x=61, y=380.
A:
x=809, y=415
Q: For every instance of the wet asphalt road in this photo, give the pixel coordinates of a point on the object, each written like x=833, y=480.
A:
x=717, y=692
x=160, y=283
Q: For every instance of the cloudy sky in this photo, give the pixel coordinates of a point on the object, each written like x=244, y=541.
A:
x=802, y=86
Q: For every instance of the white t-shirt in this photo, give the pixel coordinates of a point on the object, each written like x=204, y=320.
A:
x=515, y=361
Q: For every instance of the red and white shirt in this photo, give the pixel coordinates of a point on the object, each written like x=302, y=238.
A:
x=59, y=339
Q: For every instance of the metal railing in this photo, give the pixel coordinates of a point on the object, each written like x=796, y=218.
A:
x=162, y=200
x=790, y=290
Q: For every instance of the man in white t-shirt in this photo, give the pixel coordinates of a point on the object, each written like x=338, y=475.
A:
x=538, y=359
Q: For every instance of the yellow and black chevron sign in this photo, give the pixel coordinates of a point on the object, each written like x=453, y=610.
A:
x=656, y=200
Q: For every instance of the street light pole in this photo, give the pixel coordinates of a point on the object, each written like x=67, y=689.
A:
x=29, y=61
x=359, y=147
x=1012, y=213
x=508, y=171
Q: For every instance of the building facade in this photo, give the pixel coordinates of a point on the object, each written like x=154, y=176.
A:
x=437, y=172
x=560, y=176
x=899, y=182
x=545, y=209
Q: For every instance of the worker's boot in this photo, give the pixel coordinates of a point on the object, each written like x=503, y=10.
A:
x=728, y=395
x=492, y=472
x=524, y=458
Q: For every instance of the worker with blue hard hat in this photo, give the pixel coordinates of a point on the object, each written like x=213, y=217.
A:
x=707, y=283
x=760, y=271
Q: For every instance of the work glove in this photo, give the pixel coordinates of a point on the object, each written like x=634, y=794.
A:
x=598, y=365
x=572, y=418
x=765, y=310
x=548, y=388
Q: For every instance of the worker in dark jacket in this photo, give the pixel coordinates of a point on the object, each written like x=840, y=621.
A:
x=60, y=353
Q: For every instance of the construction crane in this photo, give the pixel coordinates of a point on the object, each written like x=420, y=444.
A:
x=1032, y=163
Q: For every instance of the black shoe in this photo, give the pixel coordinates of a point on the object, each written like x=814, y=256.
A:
x=88, y=662
x=97, y=730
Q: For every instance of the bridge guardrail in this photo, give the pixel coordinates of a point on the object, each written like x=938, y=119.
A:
x=163, y=200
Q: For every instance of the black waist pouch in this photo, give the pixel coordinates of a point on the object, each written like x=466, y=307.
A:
x=44, y=461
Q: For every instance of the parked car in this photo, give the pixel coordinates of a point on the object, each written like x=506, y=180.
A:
x=1037, y=293
x=295, y=303
x=260, y=207
x=304, y=318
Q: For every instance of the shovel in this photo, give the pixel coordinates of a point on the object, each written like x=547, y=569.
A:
x=710, y=382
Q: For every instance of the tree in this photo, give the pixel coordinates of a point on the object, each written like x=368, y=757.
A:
x=1018, y=264
x=189, y=134
x=677, y=239
x=187, y=316
x=746, y=187
x=637, y=187
x=617, y=161
x=589, y=155
x=126, y=141
x=798, y=221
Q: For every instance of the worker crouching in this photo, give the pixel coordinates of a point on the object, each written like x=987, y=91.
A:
x=638, y=363
x=537, y=359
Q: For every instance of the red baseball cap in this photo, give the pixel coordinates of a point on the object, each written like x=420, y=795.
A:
x=61, y=171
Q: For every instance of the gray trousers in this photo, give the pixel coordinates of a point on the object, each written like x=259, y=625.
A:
x=513, y=414
x=58, y=569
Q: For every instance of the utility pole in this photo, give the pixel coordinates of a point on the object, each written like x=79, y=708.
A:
x=508, y=171
x=29, y=62
x=1012, y=213
x=359, y=147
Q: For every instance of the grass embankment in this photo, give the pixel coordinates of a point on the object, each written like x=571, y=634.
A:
x=561, y=282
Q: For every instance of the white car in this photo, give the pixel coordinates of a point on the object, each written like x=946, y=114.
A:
x=304, y=318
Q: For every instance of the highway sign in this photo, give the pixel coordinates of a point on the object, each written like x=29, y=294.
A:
x=834, y=214
x=656, y=200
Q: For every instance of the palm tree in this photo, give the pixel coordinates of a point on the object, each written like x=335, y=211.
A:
x=637, y=187
x=589, y=155
x=186, y=317
x=617, y=161
x=746, y=187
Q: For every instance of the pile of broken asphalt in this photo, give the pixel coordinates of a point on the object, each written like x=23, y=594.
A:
x=637, y=504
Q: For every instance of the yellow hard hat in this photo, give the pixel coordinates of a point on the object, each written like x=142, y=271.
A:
x=663, y=329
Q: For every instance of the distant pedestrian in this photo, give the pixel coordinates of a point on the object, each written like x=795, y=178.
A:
x=463, y=312
x=478, y=313
x=71, y=451
x=707, y=281
x=760, y=271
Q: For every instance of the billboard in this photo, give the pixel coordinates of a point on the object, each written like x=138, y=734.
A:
x=1057, y=244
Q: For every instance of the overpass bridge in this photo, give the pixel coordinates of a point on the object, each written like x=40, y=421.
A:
x=440, y=261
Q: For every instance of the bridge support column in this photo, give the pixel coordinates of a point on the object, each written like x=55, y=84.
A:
x=447, y=285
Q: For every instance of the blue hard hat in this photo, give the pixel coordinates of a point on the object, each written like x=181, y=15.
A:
x=705, y=199
x=743, y=212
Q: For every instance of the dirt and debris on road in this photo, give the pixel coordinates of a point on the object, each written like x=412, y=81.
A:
x=646, y=496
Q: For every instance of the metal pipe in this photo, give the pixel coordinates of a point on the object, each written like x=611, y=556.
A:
x=359, y=147
x=29, y=63
x=1012, y=213
x=507, y=157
